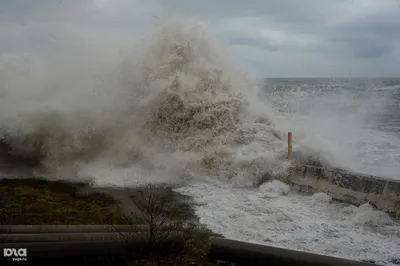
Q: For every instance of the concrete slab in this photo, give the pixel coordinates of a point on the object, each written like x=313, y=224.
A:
x=350, y=187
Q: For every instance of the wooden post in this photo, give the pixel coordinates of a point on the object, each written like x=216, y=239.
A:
x=289, y=146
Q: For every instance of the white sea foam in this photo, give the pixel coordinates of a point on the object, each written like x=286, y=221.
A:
x=274, y=188
x=321, y=197
x=308, y=223
x=173, y=109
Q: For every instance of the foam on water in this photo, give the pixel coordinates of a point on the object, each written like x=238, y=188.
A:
x=173, y=109
x=308, y=223
x=274, y=188
x=321, y=197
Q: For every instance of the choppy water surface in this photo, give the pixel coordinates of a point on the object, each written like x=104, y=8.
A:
x=175, y=110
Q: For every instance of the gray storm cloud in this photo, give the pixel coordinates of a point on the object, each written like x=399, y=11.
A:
x=275, y=38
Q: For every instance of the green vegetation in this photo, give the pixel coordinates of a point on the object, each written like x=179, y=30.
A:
x=34, y=201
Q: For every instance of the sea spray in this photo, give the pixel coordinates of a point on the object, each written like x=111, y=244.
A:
x=170, y=110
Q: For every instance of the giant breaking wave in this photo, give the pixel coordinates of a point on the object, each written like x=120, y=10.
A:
x=170, y=111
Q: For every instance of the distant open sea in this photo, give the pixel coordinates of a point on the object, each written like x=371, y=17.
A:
x=355, y=122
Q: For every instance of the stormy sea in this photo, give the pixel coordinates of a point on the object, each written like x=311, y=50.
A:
x=175, y=108
x=355, y=121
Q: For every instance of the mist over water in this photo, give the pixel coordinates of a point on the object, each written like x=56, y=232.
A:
x=169, y=108
x=351, y=123
x=174, y=106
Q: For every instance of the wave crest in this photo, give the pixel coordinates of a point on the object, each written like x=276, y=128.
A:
x=171, y=109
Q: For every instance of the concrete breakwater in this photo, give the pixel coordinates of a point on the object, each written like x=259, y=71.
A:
x=349, y=187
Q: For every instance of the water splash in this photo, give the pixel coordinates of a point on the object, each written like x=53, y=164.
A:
x=341, y=123
x=170, y=109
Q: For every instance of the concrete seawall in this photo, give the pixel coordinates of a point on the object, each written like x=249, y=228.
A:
x=349, y=187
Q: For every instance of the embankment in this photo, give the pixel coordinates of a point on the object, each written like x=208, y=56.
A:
x=350, y=187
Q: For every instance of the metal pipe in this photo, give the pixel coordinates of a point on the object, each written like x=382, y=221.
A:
x=73, y=237
x=254, y=254
x=32, y=229
x=87, y=245
x=61, y=249
x=81, y=248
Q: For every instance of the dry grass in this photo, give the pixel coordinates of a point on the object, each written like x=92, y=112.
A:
x=166, y=212
x=33, y=201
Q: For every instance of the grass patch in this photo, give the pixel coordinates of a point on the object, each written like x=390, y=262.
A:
x=34, y=201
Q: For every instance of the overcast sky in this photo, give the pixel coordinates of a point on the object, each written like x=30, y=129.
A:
x=281, y=38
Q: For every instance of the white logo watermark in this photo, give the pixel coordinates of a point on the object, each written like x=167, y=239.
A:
x=16, y=254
